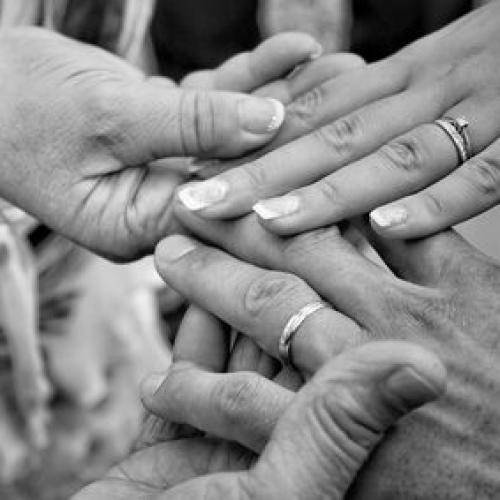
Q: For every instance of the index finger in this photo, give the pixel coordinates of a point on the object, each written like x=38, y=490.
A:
x=254, y=301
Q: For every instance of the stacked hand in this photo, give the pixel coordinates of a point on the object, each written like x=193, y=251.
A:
x=314, y=452
x=444, y=297
x=86, y=137
x=366, y=141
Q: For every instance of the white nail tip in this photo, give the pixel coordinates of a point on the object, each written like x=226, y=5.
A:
x=389, y=217
x=202, y=195
x=277, y=207
x=278, y=117
x=263, y=212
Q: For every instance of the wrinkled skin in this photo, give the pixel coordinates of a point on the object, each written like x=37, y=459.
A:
x=445, y=297
x=317, y=446
x=80, y=129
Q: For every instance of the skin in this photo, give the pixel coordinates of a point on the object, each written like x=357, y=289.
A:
x=367, y=140
x=317, y=446
x=96, y=136
x=443, y=295
x=88, y=127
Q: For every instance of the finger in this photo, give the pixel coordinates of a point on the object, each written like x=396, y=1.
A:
x=256, y=302
x=247, y=356
x=469, y=191
x=328, y=149
x=310, y=75
x=332, y=426
x=435, y=261
x=337, y=419
x=271, y=60
x=401, y=167
x=202, y=340
x=241, y=407
x=143, y=122
x=325, y=260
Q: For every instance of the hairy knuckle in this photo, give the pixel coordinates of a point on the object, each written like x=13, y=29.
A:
x=483, y=173
x=405, y=155
x=270, y=291
x=235, y=397
x=342, y=135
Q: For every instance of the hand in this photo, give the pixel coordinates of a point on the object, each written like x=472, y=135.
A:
x=445, y=299
x=80, y=129
x=370, y=142
x=315, y=450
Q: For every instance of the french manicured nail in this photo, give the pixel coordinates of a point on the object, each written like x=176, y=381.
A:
x=175, y=247
x=388, y=217
x=261, y=116
x=274, y=208
x=203, y=194
x=151, y=384
x=415, y=388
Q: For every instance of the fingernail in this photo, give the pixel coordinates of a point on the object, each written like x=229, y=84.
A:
x=151, y=384
x=261, y=116
x=275, y=208
x=389, y=216
x=196, y=165
x=413, y=387
x=175, y=247
x=203, y=194
x=317, y=52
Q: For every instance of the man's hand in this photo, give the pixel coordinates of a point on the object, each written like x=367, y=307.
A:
x=446, y=299
x=317, y=447
x=80, y=128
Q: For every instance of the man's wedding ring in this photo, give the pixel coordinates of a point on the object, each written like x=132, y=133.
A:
x=291, y=328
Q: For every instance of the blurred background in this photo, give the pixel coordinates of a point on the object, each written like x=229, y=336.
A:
x=79, y=332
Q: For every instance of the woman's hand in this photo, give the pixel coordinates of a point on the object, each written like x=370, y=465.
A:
x=80, y=130
x=323, y=437
x=371, y=143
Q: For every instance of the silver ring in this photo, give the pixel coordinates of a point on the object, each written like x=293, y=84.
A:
x=291, y=328
x=456, y=130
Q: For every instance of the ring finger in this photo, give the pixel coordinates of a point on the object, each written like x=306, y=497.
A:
x=256, y=302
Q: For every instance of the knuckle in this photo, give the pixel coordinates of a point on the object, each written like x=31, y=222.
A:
x=405, y=154
x=198, y=124
x=433, y=204
x=342, y=135
x=335, y=413
x=307, y=107
x=330, y=192
x=270, y=291
x=235, y=396
x=483, y=173
x=303, y=246
x=257, y=175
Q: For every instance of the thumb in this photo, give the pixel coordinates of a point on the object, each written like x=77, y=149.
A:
x=337, y=419
x=164, y=122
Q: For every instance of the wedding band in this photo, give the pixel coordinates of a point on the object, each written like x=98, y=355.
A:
x=291, y=328
x=456, y=130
